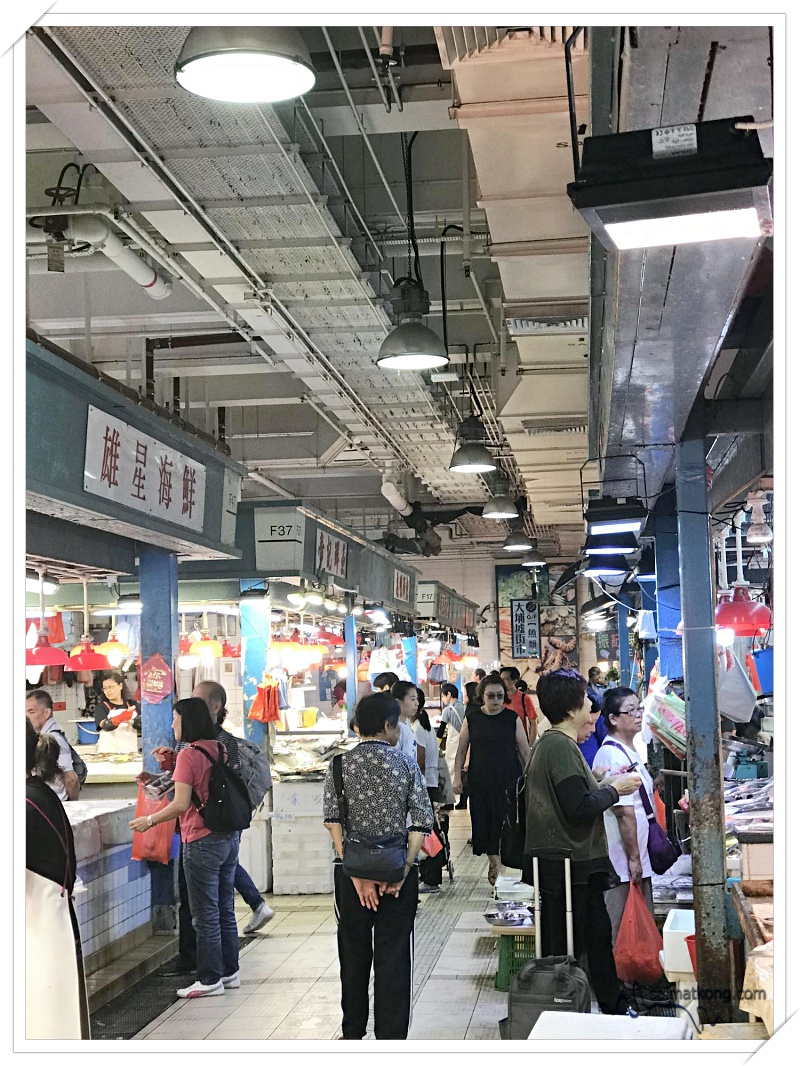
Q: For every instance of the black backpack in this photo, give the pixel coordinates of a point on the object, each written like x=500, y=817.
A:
x=79, y=767
x=227, y=809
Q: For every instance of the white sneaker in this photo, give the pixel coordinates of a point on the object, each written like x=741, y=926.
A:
x=198, y=989
x=261, y=915
x=234, y=981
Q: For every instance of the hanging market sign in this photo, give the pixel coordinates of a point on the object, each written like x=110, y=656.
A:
x=525, y=629
x=402, y=586
x=137, y=471
x=280, y=536
x=156, y=679
x=331, y=557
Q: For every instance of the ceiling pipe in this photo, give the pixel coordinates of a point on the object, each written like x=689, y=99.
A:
x=273, y=485
x=375, y=74
x=360, y=124
x=386, y=50
x=97, y=233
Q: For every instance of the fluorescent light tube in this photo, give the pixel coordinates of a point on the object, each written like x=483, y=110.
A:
x=685, y=229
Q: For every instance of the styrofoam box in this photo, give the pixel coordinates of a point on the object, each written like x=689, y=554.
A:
x=679, y=925
x=758, y=862
x=255, y=853
x=512, y=888
x=297, y=797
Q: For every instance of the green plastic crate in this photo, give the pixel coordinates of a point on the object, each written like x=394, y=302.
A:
x=513, y=952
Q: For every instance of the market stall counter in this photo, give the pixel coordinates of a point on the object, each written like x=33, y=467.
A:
x=112, y=890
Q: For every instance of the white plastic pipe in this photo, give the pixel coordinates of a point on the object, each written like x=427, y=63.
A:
x=387, y=35
x=738, y=522
x=395, y=497
x=94, y=231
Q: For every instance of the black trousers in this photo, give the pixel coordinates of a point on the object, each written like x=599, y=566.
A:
x=591, y=930
x=382, y=940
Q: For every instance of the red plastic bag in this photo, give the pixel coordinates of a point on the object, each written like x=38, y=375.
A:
x=638, y=943
x=432, y=845
x=154, y=844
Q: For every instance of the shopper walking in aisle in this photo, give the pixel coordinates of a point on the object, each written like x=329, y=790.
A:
x=39, y=712
x=56, y=1007
x=383, y=793
x=519, y=701
x=215, y=698
x=450, y=728
x=626, y=822
x=494, y=739
x=564, y=804
x=209, y=858
x=406, y=742
x=597, y=683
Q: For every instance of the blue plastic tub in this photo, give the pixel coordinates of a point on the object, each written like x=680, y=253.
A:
x=763, y=660
x=87, y=734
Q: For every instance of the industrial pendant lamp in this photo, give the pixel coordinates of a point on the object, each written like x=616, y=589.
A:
x=411, y=345
x=245, y=64
x=84, y=656
x=471, y=455
x=502, y=505
x=606, y=566
x=758, y=532
x=533, y=559
x=608, y=515
x=114, y=650
x=42, y=655
x=610, y=544
x=206, y=649
x=745, y=617
x=517, y=541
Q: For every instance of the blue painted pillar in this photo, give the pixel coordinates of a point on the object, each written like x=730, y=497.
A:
x=704, y=742
x=668, y=587
x=254, y=619
x=625, y=664
x=351, y=662
x=649, y=603
x=158, y=589
x=410, y=656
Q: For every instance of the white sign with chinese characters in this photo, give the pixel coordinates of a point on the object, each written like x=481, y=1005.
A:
x=525, y=629
x=133, y=469
x=331, y=557
x=402, y=586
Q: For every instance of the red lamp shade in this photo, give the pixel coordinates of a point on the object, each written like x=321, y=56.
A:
x=43, y=655
x=744, y=616
x=84, y=657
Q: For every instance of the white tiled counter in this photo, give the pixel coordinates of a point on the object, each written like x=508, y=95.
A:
x=302, y=850
x=113, y=906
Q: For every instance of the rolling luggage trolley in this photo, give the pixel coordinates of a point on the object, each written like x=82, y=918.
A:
x=556, y=983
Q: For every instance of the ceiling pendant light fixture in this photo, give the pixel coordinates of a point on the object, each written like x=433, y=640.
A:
x=611, y=544
x=606, y=515
x=114, y=650
x=471, y=455
x=245, y=64
x=518, y=541
x=601, y=566
x=705, y=181
x=502, y=505
x=42, y=655
x=533, y=559
x=411, y=345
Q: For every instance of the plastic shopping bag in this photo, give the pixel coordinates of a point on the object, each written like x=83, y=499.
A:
x=736, y=696
x=638, y=943
x=432, y=845
x=154, y=844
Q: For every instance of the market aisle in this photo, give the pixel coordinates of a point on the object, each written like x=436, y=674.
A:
x=290, y=976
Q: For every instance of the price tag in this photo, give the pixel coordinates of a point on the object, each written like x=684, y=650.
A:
x=674, y=140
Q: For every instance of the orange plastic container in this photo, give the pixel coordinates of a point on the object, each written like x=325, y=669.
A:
x=691, y=944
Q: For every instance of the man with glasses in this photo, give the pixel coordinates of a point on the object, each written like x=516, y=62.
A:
x=626, y=822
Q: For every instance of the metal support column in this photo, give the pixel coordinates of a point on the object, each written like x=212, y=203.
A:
x=351, y=662
x=158, y=590
x=254, y=619
x=625, y=663
x=706, y=809
x=409, y=645
x=668, y=587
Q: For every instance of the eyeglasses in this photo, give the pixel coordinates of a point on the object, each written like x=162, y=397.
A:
x=633, y=714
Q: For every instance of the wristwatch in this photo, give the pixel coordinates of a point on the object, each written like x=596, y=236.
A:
x=149, y=821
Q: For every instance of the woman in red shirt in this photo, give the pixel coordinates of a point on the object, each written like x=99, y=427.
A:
x=209, y=859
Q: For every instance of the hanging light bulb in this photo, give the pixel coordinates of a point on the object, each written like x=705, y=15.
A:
x=114, y=650
x=471, y=455
x=315, y=597
x=518, y=541
x=245, y=64
x=500, y=507
x=206, y=649
x=411, y=345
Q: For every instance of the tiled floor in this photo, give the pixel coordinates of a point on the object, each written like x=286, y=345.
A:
x=290, y=973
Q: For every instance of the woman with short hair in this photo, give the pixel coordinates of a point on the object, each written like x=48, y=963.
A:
x=117, y=717
x=209, y=858
x=564, y=804
x=495, y=740
x=384, y=792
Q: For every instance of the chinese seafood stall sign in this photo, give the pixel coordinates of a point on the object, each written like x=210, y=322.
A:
x=156, y=679
x=524, y=629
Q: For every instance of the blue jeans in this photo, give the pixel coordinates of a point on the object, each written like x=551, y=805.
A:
x=209, y=865
x=245, y=886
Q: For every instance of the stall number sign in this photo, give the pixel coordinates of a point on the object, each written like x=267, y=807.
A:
x=130, y=468
x=402, y=586
x=280, y=539
x=331, y=557
x=674, y=140
x=426, y=601
x=525, y=629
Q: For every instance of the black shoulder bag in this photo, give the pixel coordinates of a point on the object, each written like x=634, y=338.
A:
x=373, y=858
